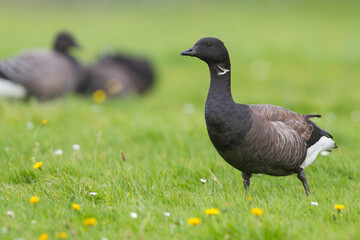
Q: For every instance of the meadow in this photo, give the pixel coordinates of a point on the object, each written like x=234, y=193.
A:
x=301, y=55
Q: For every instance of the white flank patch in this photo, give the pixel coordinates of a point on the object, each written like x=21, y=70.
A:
x=223, y=70
x=324, y=144
x=11, y=90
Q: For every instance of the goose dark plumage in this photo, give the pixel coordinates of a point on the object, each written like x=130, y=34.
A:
x=42, y=73
x=118, y=75
x=260, y=138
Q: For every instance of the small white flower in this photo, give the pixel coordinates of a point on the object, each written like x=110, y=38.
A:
x=76, y=147
x=133, y=215
x=29, y=125
x=58, y=152
x=260, y=70
x=104, y=238
x=93, y=193
x=166, y=214
x=4, y=230
x=96, y=109
x=324, y=153
x=33, y=221
x=315, y=203
x=355, y=116
x=330, y=117
x=7, y=149
x=189, y=108
x=10, y=214
x=203, y=180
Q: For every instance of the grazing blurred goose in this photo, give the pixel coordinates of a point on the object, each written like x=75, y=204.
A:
x=118, y=75
x=256, y=138
x=41, y=73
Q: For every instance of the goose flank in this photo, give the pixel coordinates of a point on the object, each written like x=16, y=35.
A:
x=42, y=73
x=259, y=138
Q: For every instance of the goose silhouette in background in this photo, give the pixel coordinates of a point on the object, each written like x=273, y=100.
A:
x=262, y=139
x=118, y=75
x=44, y=74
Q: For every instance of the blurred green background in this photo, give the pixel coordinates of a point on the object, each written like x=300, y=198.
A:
x=301, y=55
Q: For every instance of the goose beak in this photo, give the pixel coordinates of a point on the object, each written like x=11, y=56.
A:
x=190, y=52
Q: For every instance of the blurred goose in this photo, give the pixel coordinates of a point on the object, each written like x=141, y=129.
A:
x=41, y=73
x=118, y=75
x=256, y=138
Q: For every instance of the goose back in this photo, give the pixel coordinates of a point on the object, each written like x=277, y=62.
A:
x=118, y=75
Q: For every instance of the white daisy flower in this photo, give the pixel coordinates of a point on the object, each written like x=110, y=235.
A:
x=324, y=153
x=315, y=203
x=10, y=214
x=203, y=180
x=189, y=108
x=29, y=125
x=58, y=152
x=166, y=214
x=93, y=193
x=76, y=147
x=4, y=230
x=133, y=215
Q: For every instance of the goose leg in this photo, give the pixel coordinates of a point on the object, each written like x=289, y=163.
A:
x=302, y=177
x=246, y=177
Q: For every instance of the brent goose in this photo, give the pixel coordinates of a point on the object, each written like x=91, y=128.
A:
x=41, y=73
x=118, y=75
x=260, y=138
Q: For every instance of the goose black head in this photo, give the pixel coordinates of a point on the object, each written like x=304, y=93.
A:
x=63, y=42
x=210, y=50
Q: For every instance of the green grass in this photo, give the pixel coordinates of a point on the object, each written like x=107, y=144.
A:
x=313, y=53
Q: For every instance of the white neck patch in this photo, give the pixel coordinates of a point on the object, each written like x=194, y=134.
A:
x=222, y=71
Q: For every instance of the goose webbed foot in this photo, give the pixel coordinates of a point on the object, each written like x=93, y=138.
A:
x=246, y=177
x=302, y=177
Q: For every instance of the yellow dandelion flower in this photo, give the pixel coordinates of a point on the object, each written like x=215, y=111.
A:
x=212, y=211
x=339, y=207
x=257, y=211
x=34, y=200
x=194, y=221
x=44, y=236
x=44, y=121
x=62, y=235
x=90, y=221
x=76, y=206
x=38, y=165
x=250, y=199
x=99, y=96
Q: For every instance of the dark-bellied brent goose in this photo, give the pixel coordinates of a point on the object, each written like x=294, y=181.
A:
x=41, y=73
x=119, y=75
x=256, y=139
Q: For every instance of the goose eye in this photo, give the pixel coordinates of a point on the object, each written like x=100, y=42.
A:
x=208, y=44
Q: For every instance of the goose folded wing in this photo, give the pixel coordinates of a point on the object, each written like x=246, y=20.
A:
x=23, y=68
x=298, y=122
